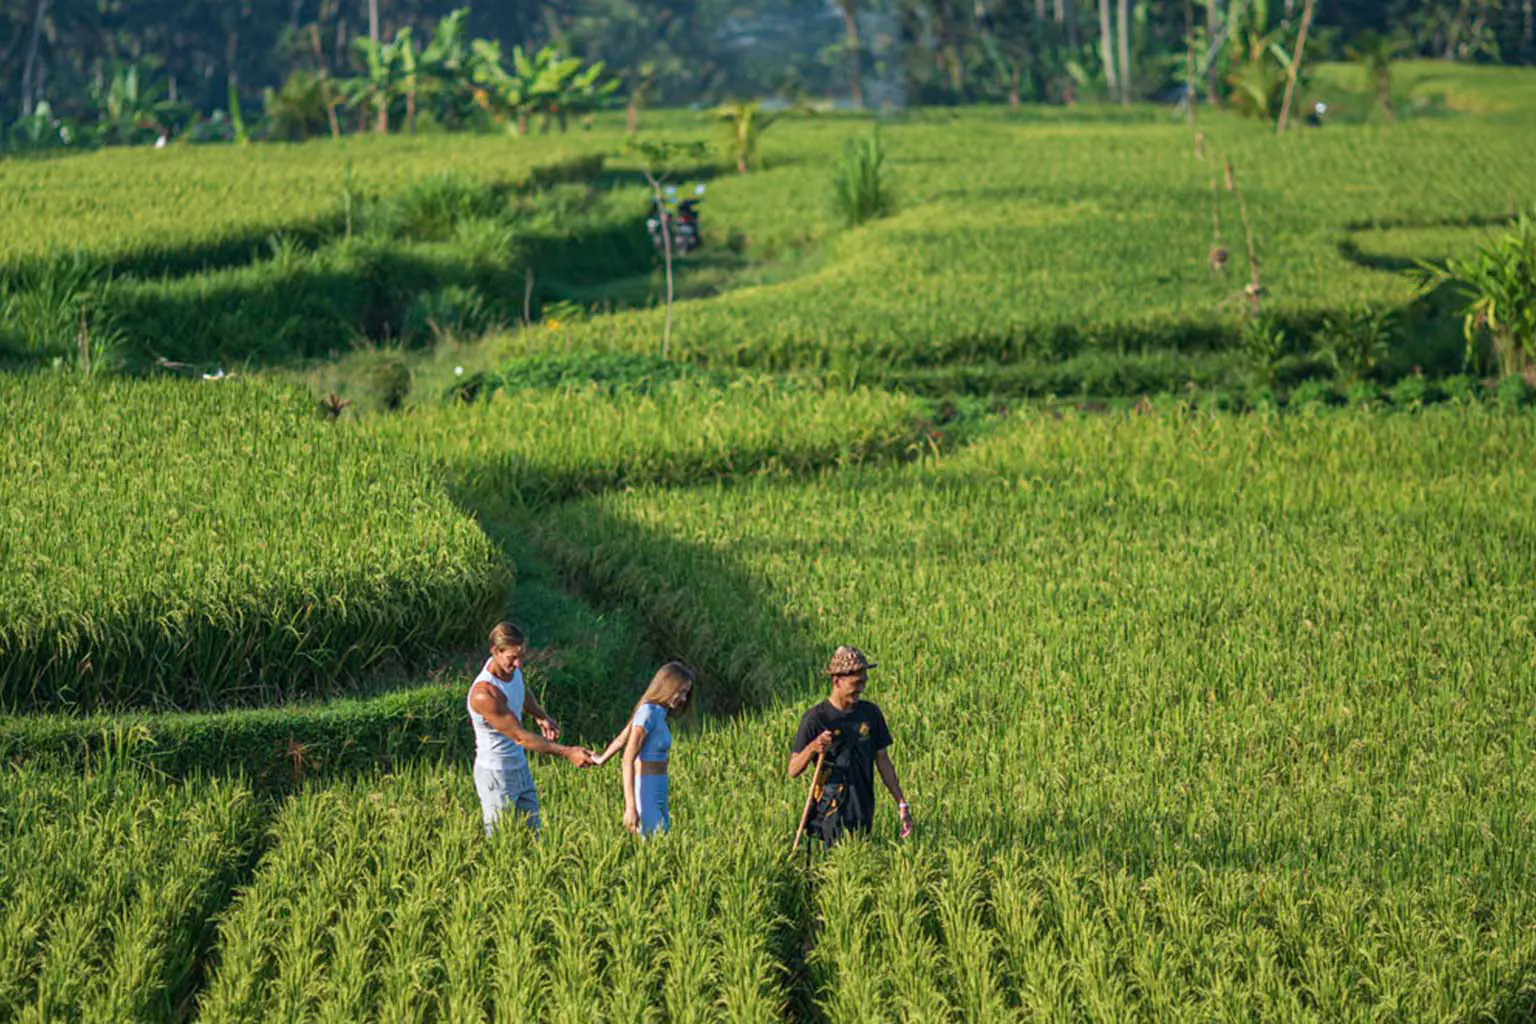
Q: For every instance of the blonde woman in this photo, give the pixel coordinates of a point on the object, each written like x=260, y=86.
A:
x=647, y=742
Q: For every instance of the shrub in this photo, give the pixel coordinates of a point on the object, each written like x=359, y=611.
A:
x=1411, y=392
x=1460, y=389
x=1313, y=393
x=1514, y=392
x=1267, y=346
x=449, y=311
x=1499, y=286
x=52, y=302
x=1355, y=343
x=1362, y=394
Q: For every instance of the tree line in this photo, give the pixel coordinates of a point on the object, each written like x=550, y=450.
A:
x=349, y=65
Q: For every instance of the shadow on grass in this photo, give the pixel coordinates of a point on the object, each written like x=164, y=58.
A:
x=1519, y=1006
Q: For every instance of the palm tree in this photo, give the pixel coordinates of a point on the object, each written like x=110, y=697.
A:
x=851, y=24
x=1107, y=41
x=1125, y=52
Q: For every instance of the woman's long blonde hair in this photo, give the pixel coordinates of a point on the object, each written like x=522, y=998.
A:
x=665, y=684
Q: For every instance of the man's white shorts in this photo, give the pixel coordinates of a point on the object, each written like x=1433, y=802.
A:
x=504, y=787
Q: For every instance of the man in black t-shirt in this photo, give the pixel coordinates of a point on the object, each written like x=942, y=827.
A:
x=853, y=734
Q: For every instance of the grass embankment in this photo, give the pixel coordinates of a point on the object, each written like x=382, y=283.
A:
x=1082, y=250
x=182, y=544
x=217, y=543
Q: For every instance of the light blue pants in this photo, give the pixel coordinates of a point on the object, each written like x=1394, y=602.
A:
x=651, y=800
x=501, y=788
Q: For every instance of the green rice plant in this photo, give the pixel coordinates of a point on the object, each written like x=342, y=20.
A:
x=1190, y=705
x=499, y=454
x=379, y=897
x=215, y=542
x=110, y=881
x=861, y=187
x=846, y=990
x=1098, y=246
x=184, y=208
x=430, y=208
x=968, y=939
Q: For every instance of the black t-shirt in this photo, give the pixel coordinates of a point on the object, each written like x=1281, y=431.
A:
x=858, y=734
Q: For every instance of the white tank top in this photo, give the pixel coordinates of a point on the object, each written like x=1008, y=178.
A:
x=492, y=749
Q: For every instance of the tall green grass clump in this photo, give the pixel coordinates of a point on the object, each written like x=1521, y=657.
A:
x=214, y=542
x=861, y=185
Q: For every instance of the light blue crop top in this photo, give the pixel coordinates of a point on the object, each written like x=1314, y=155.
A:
x=658, y=738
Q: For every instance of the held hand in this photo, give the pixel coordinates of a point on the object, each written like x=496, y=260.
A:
x=598, y=760
x=632, y=819
x=550, y=728
x=906, y=820
x=581, y=757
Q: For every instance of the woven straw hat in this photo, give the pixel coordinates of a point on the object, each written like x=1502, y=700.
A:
x=848, y=661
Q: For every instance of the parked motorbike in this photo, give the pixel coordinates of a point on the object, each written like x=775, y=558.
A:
x=681, y=219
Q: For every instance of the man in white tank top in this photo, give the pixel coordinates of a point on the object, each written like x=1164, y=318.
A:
x=497, y=703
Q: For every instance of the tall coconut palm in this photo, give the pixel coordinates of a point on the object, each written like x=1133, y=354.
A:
x=1125, y=51
x=849, y=9
x=1107, y=43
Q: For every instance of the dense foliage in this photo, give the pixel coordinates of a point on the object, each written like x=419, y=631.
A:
x=75, y=73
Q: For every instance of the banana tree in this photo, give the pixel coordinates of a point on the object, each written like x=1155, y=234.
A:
x=389, y=72
x=745, y=121
x=41, y=129
x=501, y=94
x=402, y=55
x=558, y=87
x=1257, y=86
x=546, y=85
x=130, y=106
x=447, y=66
